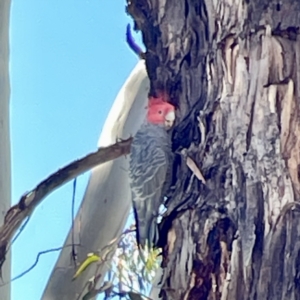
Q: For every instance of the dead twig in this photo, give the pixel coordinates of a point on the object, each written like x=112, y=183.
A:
x=29, y=201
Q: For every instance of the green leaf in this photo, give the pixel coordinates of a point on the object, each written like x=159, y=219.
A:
x=91, y=258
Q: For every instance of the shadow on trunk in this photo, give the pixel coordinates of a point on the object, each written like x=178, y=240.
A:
x=232, y=69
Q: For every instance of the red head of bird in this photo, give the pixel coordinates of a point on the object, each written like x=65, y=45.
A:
x=160, y=112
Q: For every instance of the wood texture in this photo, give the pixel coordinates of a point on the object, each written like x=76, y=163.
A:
x=232, y=68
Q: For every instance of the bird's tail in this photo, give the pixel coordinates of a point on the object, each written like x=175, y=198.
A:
x=147, y=233
x=152, y=238
x=147, y=237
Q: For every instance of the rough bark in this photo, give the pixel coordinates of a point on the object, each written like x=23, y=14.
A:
x=233, y=70
x=107, y=200
x=5, y=167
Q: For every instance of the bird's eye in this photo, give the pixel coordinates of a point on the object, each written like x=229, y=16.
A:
x=160, y=112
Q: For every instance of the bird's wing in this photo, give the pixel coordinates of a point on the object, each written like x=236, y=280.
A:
x=148, y=171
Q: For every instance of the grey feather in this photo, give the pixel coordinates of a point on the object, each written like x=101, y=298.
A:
x=150, y=178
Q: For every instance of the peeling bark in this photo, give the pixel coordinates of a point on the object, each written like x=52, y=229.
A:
x=233, y=70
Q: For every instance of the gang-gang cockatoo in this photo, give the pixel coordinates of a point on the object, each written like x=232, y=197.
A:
x=150, y=168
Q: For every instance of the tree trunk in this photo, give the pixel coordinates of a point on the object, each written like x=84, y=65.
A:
x=233, y=70
x=5, y=166
x=107, y=200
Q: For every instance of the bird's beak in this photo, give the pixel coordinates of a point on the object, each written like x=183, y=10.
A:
x=169, y=119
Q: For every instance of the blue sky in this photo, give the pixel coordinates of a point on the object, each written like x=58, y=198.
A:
x=68, y=60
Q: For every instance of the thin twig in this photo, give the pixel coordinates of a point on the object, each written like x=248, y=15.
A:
x=74, y=254
x=35, y=263
x=19, y=232
x=28, y=202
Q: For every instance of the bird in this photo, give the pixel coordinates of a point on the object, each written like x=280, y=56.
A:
x=150, y=168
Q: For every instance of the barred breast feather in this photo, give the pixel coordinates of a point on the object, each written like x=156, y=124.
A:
x=150, y=178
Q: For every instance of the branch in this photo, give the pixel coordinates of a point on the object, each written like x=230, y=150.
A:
x=35, y=263
x=29, y=201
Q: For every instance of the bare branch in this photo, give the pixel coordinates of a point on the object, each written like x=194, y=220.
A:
x=74, y=250
x=29, y=201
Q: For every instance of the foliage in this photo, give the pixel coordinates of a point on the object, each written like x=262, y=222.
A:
x=131, y=270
